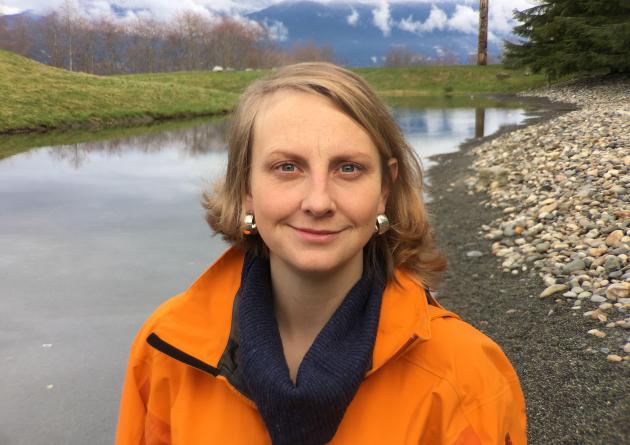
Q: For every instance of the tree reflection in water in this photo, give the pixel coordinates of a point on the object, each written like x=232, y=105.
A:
x=190, y=142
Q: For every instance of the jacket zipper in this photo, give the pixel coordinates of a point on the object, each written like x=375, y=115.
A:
x=180, y=355
x=193, y=362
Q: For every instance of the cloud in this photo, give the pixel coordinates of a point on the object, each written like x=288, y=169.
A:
x=276, y=30
x=381, y=18
x=7, y=10
x=465, y=19
x=500, y=19
x=353, y=18
x=158, y=9
x=437, y=20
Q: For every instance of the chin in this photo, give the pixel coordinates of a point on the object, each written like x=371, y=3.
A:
x=313, y=264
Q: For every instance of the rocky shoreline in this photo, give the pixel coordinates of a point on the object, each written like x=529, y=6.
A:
x=536, y=224
x=564, y=189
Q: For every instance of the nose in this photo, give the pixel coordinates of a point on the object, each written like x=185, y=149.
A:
x=317, y=200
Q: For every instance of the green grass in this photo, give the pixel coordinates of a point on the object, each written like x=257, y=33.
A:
x=232, y=81
x=448, y=80
x=418, y=81
x=37, y=97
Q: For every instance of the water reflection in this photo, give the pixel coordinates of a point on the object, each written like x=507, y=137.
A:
x=94, y=235
x=435, y=131
x=191, y=142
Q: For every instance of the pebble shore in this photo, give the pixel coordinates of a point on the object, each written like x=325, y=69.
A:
x=563, y=187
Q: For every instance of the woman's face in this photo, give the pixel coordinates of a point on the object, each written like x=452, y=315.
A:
x=315, y=184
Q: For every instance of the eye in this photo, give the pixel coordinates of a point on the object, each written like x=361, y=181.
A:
x=350, y=169
x=285, y=167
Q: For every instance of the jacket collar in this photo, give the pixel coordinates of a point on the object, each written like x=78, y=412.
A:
x=197, y=323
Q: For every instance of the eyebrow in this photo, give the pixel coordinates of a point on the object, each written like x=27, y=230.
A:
x=297, y=156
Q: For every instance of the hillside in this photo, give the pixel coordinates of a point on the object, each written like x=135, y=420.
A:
x=39, y=97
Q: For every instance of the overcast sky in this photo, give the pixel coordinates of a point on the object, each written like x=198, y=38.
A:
x=464, y=18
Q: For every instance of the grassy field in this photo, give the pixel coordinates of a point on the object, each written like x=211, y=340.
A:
x=451, y=80
x=389, y=82
x=37, y=97
x=231, y=81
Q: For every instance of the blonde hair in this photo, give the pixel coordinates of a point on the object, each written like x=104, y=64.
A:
x=409, y=244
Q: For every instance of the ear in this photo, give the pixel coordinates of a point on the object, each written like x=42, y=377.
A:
x=247, y=202
x=392, y=170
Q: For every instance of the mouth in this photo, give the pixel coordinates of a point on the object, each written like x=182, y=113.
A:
x=316, y=236
x=317, y=232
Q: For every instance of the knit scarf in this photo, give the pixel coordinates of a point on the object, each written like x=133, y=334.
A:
x=309, y=412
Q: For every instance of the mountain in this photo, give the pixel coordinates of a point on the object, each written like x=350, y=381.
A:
x=364, y=44
x=442, y=30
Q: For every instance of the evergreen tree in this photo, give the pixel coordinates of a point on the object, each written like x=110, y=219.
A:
x=572, y=37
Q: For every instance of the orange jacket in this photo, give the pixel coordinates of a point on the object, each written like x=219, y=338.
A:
x=434, y=378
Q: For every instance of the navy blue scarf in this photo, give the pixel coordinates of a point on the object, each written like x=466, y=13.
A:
x=309, y=412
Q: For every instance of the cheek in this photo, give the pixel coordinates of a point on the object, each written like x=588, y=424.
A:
x=271, y=204
x=362, y=206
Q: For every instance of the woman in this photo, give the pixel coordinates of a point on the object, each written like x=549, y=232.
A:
x=317, y=326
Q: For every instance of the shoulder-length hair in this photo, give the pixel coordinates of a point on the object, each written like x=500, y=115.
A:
x=409, y=244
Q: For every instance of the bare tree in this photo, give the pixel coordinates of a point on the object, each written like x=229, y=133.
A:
x=401, y=55
x=4, y=34
x=310, y=52
x=143, y=53
x=193, y=31
x=189, y=41
x=52, y=36
x=110, y=38
x=16, y=38
x=69, y=17
x=87, y=39
x=234, y=43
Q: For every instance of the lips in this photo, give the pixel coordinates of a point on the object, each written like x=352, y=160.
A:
x=316, y=235
x=317, y=232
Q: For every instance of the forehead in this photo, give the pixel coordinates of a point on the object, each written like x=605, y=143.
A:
x=302, y=120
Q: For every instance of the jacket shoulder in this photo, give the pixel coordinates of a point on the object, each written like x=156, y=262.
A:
x=469, y=361
x=477, y=379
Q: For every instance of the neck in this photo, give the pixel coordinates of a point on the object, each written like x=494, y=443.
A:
x=303, y=303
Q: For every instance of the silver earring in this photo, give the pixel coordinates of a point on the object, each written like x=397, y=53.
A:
x=382, y=224
x=249, y=228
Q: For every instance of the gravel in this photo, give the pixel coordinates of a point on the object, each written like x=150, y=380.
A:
x=544, y=208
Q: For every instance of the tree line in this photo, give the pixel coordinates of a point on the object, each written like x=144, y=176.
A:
x=189, y=41
x=572, y=37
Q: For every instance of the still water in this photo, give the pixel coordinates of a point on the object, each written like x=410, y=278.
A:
x=94, y=235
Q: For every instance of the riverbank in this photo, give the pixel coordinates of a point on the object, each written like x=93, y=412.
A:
x=575, y=392
x=40, y=98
